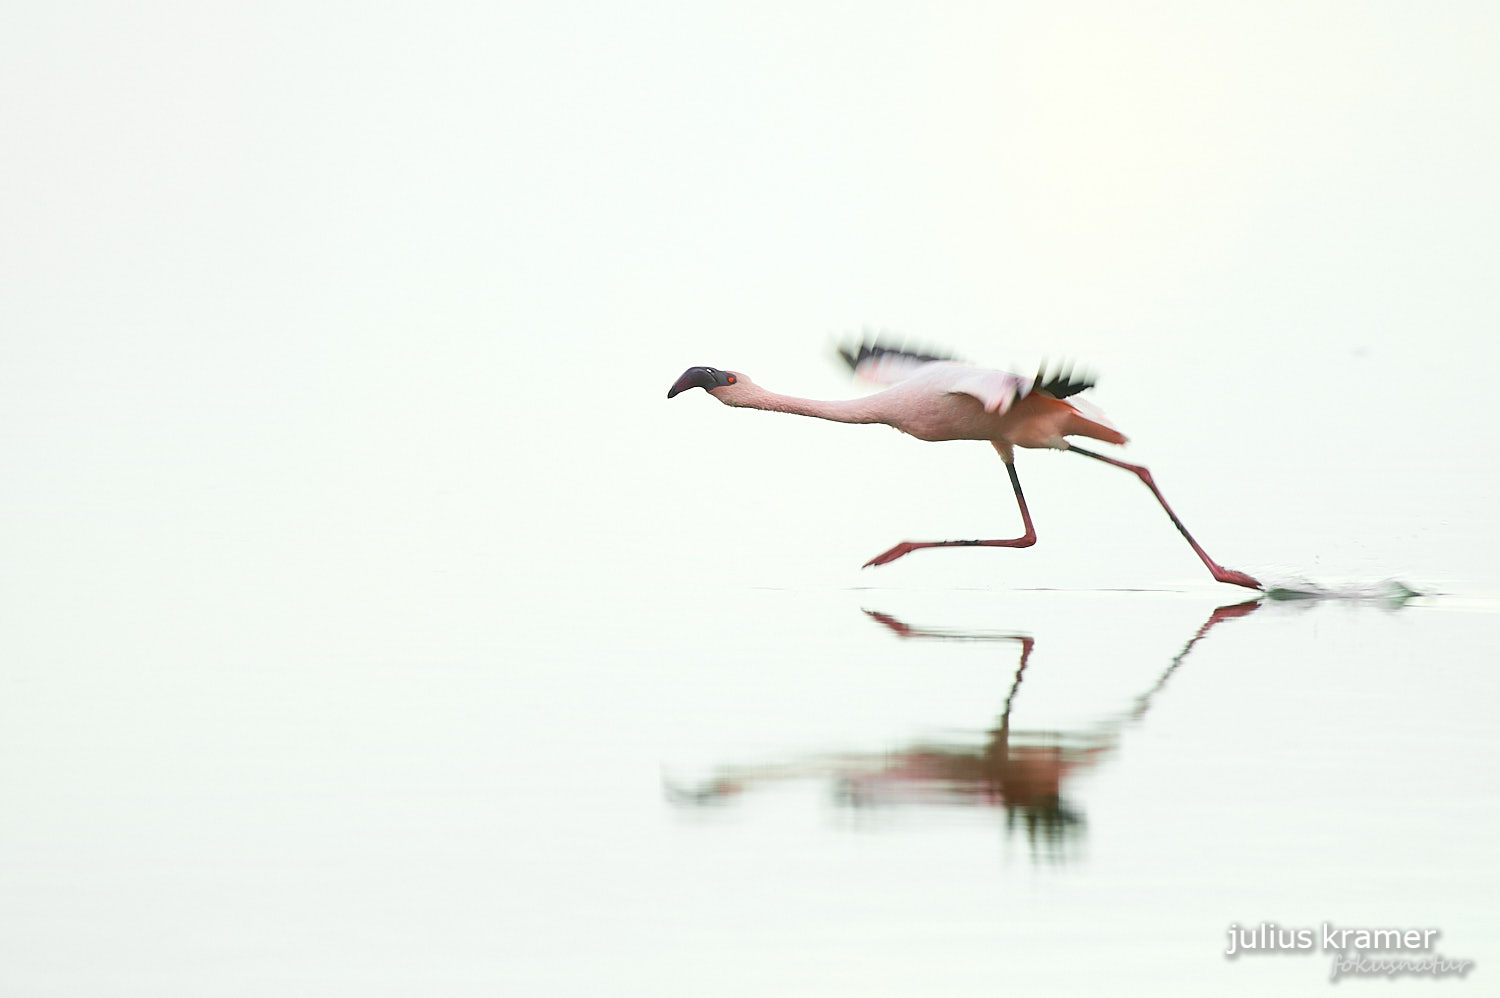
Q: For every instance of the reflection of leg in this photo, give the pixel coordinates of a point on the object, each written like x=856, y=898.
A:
x=1024, y=541
x=904, y=630
x=1223, y=613
x=1219, y=572
x=997, y=750
x=996, y=755
x=1026, y=645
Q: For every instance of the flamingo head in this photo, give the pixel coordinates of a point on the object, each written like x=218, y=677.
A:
x=707, y=378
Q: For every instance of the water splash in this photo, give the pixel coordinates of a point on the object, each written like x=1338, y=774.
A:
x=1391, y=593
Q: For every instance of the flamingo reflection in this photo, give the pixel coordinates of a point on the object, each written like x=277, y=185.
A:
x=1023, y=771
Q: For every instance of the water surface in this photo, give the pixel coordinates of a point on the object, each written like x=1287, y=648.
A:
x=754, y=792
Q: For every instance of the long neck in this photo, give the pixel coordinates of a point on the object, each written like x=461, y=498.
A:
x=861, y=410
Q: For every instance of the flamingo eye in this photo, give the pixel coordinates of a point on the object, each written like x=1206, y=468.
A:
x=731, y=379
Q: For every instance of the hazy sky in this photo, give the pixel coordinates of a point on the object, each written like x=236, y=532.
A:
x=383, y=301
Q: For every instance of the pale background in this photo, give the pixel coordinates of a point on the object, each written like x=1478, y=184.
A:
x=336, y=340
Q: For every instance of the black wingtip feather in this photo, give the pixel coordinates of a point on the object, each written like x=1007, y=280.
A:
x=855, y=354
x=1063, y=381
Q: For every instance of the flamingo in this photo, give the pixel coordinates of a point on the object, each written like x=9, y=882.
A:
x=935, y=397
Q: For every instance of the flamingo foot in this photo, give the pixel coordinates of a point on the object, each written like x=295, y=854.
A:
x=1234, y=578
x=904, y=548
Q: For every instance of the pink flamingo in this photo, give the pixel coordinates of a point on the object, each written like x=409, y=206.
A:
x=938, y=398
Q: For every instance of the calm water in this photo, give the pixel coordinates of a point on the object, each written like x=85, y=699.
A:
x=753, y=792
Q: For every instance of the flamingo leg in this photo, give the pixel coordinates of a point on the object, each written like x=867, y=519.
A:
x=1218, y=571
x=1024, y=541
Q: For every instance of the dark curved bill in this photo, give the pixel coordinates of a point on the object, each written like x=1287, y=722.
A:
x=693, y=377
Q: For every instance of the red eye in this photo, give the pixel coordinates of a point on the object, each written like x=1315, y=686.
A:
x=731, y=379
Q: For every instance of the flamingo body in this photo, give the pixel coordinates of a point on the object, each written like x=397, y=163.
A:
x=946, y=400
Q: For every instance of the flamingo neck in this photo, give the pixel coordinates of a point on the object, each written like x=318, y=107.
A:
x=845, y=411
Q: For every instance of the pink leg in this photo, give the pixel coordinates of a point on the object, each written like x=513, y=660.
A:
x=1219, y=572
x=1025, y=541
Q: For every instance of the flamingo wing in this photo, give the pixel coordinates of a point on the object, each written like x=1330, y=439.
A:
x=996, y=390
x=884, y=364
x=999, y=390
